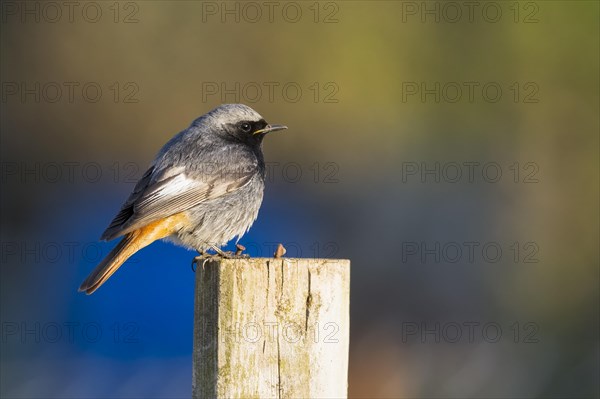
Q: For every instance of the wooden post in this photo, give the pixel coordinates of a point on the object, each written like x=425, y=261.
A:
x=271, y=328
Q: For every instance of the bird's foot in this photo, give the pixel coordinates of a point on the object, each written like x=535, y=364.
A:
x=230, y=254
x=220, y=254
x=202, y=258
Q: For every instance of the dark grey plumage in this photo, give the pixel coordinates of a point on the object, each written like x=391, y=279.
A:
x=206, y=183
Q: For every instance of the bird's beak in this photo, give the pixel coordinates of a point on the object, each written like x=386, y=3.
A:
x=270, y=128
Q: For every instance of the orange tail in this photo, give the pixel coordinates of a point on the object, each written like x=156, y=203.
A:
x=130, y=244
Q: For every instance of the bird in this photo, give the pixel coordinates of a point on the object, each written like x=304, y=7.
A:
x=204, y=188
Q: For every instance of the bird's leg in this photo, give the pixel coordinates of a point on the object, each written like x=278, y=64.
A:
x=220, y=252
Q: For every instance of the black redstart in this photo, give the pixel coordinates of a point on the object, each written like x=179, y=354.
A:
x=204, y=188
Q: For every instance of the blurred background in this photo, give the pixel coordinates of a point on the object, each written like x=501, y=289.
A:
x=450, y=150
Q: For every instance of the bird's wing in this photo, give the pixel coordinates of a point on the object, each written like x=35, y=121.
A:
x=163, y=193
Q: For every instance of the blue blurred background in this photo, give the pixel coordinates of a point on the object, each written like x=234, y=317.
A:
x=378, y=106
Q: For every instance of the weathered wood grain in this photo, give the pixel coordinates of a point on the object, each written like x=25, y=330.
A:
x=271, y=328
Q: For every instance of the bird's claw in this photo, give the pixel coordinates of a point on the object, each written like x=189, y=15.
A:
x=220, y=254
x=230, y=254
x=203, y=257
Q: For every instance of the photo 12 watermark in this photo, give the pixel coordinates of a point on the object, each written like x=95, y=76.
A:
x=53, y=12
x=293, y=249
x=470, y=92
x=252, y=12
x=471, y=172
x=469, y=252
x=271, y=331
x=39, y=252
x=271, y=92
x=69, y=332
x=91, y=172
x=69, y=92
x=469, y=332
x=470, y=12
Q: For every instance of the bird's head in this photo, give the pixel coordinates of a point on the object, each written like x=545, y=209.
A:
x=237, y=122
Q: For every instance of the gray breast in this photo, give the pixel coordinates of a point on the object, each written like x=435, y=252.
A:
x=219, y=220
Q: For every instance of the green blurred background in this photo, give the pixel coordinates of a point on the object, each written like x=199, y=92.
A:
x=358, y=118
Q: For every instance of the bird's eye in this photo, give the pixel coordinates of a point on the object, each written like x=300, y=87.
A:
x=246, y=127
